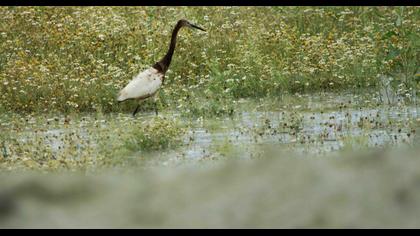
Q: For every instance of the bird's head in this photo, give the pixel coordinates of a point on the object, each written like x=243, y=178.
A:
x=188, y=24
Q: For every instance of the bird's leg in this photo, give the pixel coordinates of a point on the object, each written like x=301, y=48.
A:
x=156, y=110
x=154, y=101
x=135, y=111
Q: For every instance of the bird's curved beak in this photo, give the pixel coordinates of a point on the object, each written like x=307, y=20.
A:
x=194, y=26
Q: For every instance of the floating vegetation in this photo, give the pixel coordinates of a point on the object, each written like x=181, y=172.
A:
x=82, y=142
x=156, y=134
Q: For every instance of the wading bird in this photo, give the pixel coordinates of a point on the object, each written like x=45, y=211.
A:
x=147, y=83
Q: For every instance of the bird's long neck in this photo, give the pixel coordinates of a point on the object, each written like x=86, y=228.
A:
x=164, y=63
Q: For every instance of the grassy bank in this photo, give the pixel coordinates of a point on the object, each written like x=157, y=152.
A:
x=75, y=59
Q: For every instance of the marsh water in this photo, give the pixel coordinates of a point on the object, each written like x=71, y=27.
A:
x=311, y=124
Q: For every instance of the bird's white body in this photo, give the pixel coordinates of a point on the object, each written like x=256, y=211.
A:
x=144, y=85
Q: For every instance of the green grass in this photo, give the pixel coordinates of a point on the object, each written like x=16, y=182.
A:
x=75, y=59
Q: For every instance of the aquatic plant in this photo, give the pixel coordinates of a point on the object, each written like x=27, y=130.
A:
x=155, y=134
